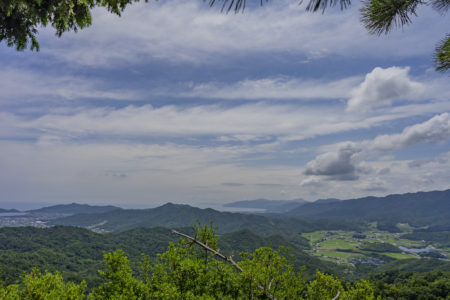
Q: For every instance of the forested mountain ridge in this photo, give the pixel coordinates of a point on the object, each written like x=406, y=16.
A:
x=177, y=215
x=78, y=253
x=417, y=209
x=184, y=271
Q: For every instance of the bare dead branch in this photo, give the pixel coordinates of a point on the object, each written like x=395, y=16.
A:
x=337, y=295
x=226, y=258
x=205, y=246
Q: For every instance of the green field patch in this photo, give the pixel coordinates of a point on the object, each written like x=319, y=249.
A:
x=399, y=255
x=315, y=236
x=338, y=254
x=335, y=244
x=410, y=244
x=405, y=227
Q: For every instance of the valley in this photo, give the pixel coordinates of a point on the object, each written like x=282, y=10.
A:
x=372, y=247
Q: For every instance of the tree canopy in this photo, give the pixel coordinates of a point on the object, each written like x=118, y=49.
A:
x=194, y=268
x=19, y=19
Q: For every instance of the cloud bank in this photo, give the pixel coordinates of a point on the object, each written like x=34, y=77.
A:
x=346, y=161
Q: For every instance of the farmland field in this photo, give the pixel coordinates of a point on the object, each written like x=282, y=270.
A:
x=347, y=247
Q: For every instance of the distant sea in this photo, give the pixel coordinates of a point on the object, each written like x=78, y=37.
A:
x=220, y=207
x=12, y=214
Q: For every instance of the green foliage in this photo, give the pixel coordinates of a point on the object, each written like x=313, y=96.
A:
x=19, y=19
x=77, y=253
x=327, y=287
x=184, y=272
x=442, y=56
x=381, y=16
x=403, y=286
x=267, y=272
x=36, y=286
x=120, y=283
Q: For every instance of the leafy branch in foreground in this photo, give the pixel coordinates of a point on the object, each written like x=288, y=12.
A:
x=382, y=16
x=442, y=55
x=19, y=19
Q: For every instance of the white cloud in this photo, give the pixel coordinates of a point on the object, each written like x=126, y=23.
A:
x=191, y=31
x=275, y=88
x=340, y=165
x=375, y=184
x=382, y=87
x=345, y=160
x=23, y=86
x=434, y=130
x=253, y=121
x=257, y=121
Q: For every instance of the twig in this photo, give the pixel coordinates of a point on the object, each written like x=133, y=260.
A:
x=216, y=253
x=337, y=295
x=226, y=258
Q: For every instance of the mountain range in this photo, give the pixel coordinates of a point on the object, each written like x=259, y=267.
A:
x=423, y=210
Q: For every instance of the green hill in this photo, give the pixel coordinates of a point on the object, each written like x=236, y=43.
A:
x=78, y=253
x=430, y=209
x=175, y=215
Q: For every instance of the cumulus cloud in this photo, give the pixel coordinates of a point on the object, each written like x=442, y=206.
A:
x=382, y=87
x=345, y=161
x=434, y=130
x=339, y=165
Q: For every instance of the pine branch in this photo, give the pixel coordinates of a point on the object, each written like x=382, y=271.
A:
x=381, y=16
x=442, y=55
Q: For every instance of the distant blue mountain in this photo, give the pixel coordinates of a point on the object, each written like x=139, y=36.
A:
x=419, y=209
x=74, y=208
x=328, y=200
x=2, y=210
x=268, y=205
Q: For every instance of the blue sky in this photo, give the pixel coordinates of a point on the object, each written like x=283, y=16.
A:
x=175, y=101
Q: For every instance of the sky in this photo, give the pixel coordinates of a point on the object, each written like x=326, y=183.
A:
x=176, y=101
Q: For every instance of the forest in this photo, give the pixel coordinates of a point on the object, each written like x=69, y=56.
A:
x=191, y=267
x=314, y=251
